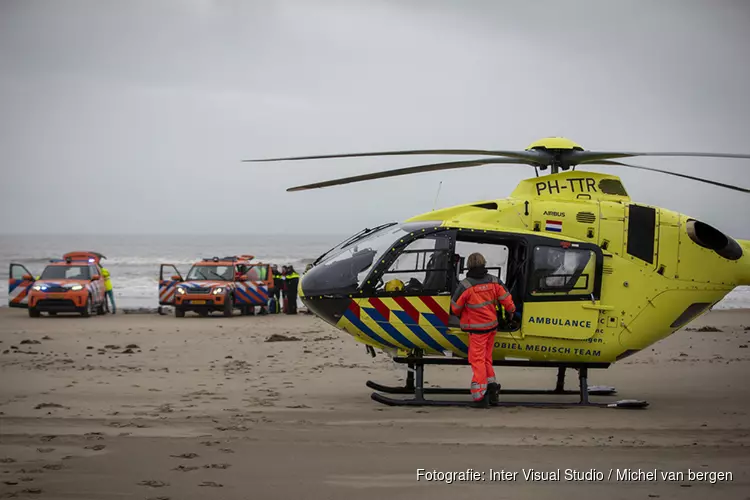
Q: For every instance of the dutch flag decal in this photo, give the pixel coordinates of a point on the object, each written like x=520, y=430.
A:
x=554, y=226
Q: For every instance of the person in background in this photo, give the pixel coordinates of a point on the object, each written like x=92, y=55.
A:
x=474, y=302
x=292, y=282
x=108, y=288
x=278, y=284
x=284, y=295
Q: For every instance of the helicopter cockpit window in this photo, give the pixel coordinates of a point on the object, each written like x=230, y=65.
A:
x=562, y=270
x=423, y=267
x=495, y=255
x=343, y=269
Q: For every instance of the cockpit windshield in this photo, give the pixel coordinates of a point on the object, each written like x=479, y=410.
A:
x=366, y=232
x=343, y=268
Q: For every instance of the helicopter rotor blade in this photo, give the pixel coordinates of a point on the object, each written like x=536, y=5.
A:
x=578, y=157
x=538, y=156
x=685, y=176
x=410, y=170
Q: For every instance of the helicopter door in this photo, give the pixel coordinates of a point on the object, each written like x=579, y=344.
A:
x=168, y=280
x=19, y=284
x=563, y=282
x=410, y=306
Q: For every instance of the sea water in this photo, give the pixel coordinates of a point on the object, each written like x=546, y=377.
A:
x=133, y=260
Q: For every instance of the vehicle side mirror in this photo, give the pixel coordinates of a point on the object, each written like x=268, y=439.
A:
x=242, y=278
x=95, y=277
x=27, y=277
x=176, y=278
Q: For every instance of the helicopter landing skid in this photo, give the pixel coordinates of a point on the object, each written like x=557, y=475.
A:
x=416, y=387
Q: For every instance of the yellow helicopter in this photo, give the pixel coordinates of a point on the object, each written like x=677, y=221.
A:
x=596, y=277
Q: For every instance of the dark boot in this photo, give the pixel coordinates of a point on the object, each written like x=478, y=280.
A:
x=493, y=393
x=483, y=403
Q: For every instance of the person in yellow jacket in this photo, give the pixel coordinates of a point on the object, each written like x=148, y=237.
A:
x=108, y=288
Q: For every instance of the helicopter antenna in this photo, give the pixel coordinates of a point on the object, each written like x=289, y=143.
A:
x=434, y=204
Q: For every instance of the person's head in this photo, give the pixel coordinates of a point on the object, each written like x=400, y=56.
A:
x=476, y=260
x=275, y=268
x=284, y=269
x=290, y=269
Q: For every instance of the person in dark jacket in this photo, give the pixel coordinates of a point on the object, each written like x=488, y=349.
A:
x=475, y=302
x=284, y=296
x=292, y=282
x=278, y=285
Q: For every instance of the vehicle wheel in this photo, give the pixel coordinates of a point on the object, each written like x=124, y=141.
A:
x=229, y=306
x=34, y=312
x=52, y=313
x=179, y=312
x=102, y=309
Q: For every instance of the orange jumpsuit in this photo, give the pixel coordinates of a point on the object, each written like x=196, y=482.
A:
x=474, y=302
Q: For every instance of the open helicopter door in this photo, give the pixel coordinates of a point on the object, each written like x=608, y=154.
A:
x=169, y=276
x=20, y=281
x=410, y=303
x=562, y=297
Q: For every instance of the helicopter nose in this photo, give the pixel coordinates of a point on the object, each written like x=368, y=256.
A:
x=329, y=307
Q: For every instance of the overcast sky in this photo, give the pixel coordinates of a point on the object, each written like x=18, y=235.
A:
x=126, y=117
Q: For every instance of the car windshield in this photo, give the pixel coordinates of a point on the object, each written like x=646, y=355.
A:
x=211, y=272
x=344, y=268
x=66, y=273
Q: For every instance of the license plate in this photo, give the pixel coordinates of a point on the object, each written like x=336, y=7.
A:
x=197, y=301
x=56, y=295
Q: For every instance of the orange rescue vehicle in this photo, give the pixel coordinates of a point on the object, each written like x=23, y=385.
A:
x=71, y=284
x=217, y=284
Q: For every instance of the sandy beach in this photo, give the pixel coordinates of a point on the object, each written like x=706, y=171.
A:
x=149, y=406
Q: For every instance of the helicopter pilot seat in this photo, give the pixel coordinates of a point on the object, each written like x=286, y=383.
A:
x=437, y=273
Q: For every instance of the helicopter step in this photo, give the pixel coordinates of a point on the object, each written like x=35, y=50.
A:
x=415, y=385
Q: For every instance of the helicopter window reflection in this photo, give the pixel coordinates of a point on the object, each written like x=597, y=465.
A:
x=559, y=270
x=423, y=267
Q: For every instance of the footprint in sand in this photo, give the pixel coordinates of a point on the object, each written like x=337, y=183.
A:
x=183, y=468
x=152, y=483
x=185, y=455
x=211, y=484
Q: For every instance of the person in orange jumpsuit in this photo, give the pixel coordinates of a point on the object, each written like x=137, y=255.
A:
x=475, y=302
